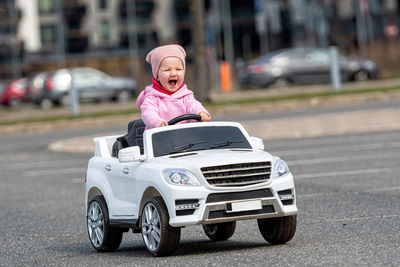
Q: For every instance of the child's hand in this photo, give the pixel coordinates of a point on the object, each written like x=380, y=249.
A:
x=204, y=116
x=164, y=123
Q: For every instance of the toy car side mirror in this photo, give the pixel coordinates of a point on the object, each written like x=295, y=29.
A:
x=257, y=143
x=129, y=154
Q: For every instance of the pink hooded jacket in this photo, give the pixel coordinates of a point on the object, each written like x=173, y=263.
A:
x=158, y=107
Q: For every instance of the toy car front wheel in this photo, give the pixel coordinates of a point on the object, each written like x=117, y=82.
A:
x=278, y=230
x=102, y=236
x=159, y=237
x=219, y=231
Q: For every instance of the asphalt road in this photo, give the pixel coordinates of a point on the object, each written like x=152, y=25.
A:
x=347, y=194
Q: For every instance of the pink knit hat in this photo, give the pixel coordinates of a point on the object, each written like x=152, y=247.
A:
x=156, y=56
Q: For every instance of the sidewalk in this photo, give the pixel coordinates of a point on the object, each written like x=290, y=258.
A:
x=268, y=129
x=307, y=126
x=296, y=127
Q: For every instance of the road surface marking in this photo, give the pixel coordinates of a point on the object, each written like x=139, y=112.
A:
x=343, y=173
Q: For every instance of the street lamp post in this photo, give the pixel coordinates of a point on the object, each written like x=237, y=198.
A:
x=131, y=26
x=201, y=83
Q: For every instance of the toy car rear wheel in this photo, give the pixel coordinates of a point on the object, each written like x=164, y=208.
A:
x=159, y=237
x=103, y=237
x=278, y=230
x=219, y=231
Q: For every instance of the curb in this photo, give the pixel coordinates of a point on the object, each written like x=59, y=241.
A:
x=274, y=129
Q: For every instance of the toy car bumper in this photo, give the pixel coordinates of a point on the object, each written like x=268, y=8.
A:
x=273, y=199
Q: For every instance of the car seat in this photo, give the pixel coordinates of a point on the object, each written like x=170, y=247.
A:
x=134, y=137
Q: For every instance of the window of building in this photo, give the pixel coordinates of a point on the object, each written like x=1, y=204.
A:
x=47, y=6
x=48, y=34
x=103, y=4
x=104, y=29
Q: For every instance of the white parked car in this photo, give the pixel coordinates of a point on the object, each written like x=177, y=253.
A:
x=211, y=173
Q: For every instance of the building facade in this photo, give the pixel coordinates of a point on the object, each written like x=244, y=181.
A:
x=45, y=34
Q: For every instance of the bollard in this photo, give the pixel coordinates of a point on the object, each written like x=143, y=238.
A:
x=335, y=68
x=74, y=96
x=226, y=76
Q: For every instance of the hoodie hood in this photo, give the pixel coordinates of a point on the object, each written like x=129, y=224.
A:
x=150, y=91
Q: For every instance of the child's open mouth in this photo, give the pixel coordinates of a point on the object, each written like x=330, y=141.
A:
x=172, y=82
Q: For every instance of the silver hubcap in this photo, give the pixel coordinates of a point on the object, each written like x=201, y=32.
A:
x=95, y=223
x=123, y=96
x=46, y=103
x=151, y=227
x=361, y=76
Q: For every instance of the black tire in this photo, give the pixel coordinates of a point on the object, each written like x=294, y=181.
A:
x=219, y=231
x=278, y=230
x=99, y=224
x=158, y=227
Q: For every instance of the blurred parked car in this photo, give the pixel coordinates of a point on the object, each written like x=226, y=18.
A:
x=14, y=92
x=303, y=65
x=36, y=86
x=90, y=84
x=2, y=88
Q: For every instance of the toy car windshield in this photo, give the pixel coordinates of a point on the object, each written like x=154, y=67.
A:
x=198, y=138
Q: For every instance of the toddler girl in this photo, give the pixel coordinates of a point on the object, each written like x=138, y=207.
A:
x=168, y=97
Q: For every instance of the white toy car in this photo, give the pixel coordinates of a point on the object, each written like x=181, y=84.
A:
x=211, y=173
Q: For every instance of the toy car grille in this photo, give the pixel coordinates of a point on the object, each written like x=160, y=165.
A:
x=240, y=174
x=257, y=194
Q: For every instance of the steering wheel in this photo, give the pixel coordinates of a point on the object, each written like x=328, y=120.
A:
x=184, y=118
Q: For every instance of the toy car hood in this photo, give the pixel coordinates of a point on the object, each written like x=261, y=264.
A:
x=215, y=157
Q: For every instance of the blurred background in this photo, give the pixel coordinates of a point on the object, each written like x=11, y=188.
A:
x=231, y=45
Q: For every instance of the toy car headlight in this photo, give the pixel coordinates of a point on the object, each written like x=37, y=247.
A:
x=180, y=177
x=280, y=168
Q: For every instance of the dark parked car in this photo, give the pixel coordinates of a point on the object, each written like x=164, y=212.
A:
x=14, y=93
x=303, y=65
x=91, y=84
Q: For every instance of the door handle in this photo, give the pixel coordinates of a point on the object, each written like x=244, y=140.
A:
x=125, y=170
x=107, y=167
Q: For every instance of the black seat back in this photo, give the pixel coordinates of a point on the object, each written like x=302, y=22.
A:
x=134, y=137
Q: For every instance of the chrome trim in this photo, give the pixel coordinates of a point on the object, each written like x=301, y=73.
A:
x=237, y=175
x=187, y=206
x=238, y=183
x=239, y=169
x=286, y=197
